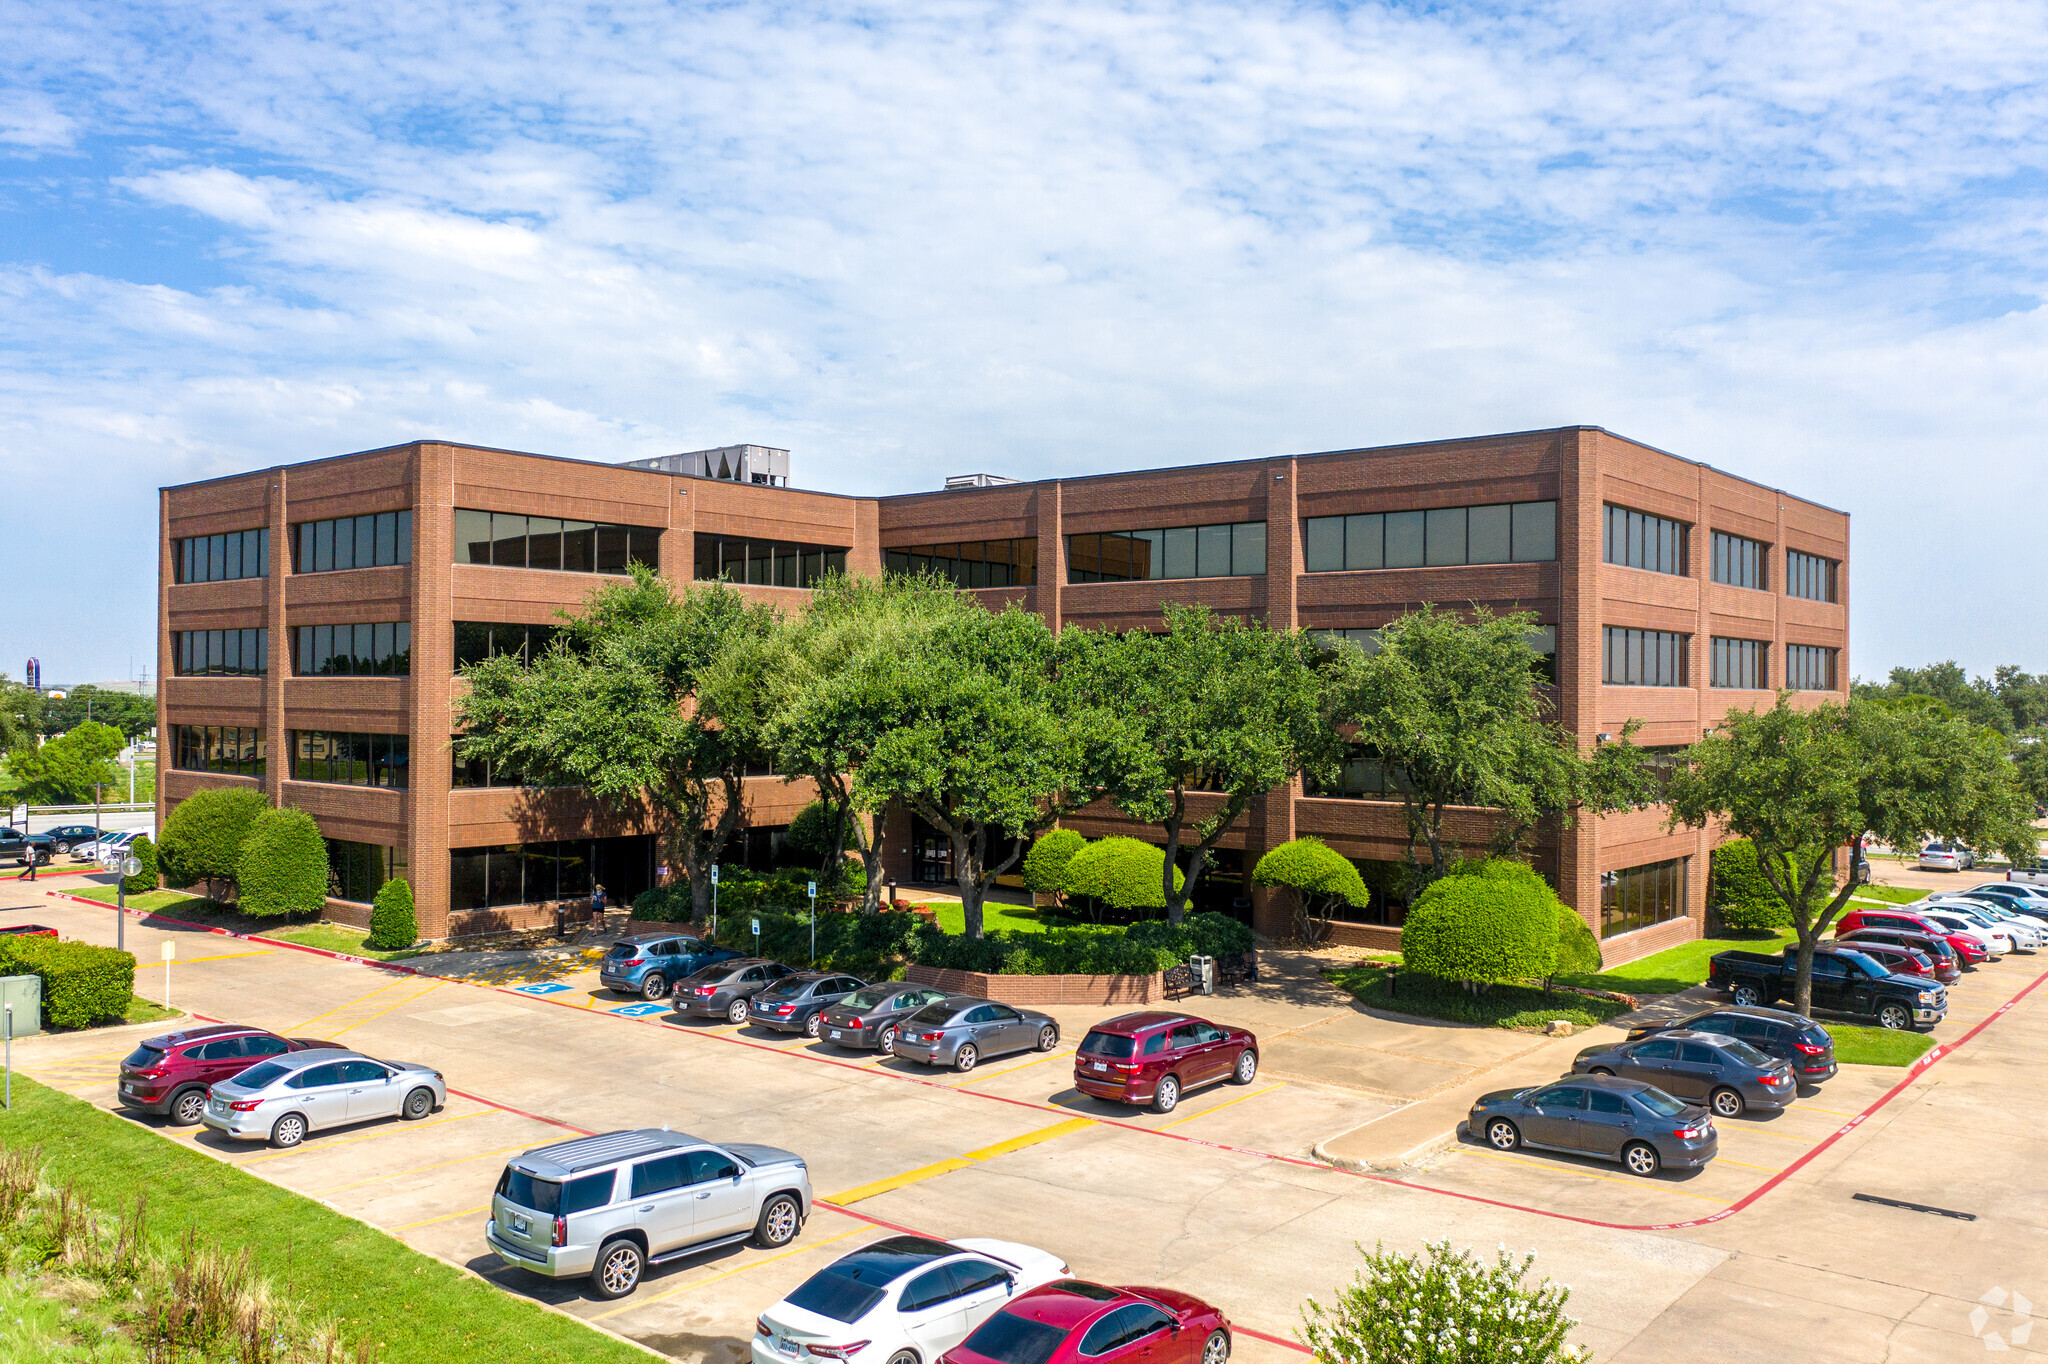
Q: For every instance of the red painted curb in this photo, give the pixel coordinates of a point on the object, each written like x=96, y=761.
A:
x=398, y=967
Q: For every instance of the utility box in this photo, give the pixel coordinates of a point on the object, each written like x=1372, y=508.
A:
x=25, y=993
x=1205, y=973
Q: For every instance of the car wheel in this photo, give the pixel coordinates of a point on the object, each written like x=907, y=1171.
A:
x=1503, y=1135
x=418, y=1104
x=904, y=1357
x=188, y=1108
x=289, y=1132
x=781, y=1219
x=1641, y=1158
x=1895, y=1016
x=1048, y=1037
x=1247, y=1067
x=1216, y=1348
x=737, y=1013
x=1167, y=1095
x=654, y=986
x=619, y=1264
x=887, y=1046
x=64, y=848
x=814, y=1025
x=1602, y=1070
x=1727, y=1103
x=964, y=1059
x=1747, y=995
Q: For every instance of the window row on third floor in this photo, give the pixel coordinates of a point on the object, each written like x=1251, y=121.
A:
x=765, y=563
x=1441, y=537
x=351, y=759
x=224, y=749
x=1658, y=544
x=1232, y=550
x=372, y=540
x=214, y=558
x=1658, y=658
x=221, y=653
x=970, y=563
x=364, y=649
x=517, y=540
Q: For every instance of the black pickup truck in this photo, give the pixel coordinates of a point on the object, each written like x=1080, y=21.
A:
x=1843, y=982
x=17, y=847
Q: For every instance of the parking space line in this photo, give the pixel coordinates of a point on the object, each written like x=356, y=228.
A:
x=724, y=1274
x=418, y=1169
x=1781, y=1136
x=371, y=1018
x=368, y=1136
x=1011, y=1070
x=1590, y=1174
x=444, y=1217
x=959, y=1162
x=1215, y=1107
x=1004, y=1148
x=1815, y=1108
x=221, y=956
x=1768, y=1169
x=339, y=1008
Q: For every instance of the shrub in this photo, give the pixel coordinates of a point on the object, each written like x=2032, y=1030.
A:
x=1318, y=877
x=1048, y=858
x=202, y=839
x=1058, y=952
x=1739, y=892
x=1487, y=922
x=82, y=984
x=1578, y=951
x=393, y=926
x=741, y=891
x=810, y=833
x=283, y=869
x=665, y=904
x=1206, y=934
x=1119, y=873
x=865, y=944
x=1442, y=1308
x=143, y=851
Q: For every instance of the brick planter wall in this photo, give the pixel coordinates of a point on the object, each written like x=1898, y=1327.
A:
x=1038, y=991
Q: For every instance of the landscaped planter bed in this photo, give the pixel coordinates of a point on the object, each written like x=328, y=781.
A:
x=1038, y=991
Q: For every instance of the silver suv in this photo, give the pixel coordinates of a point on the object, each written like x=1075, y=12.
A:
x=608, y=1206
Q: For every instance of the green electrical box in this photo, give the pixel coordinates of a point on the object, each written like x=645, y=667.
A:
x=25, y=993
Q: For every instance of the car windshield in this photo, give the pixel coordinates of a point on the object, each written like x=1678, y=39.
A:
x=707, y=975
x=1660, y=1103
x=144, y=1055
x=868, y=996
x=1814, y=1037
x=261, y=1076
x=623, y=950
x=1011, y=1339
x=838, y=1296
x=530, y=1191
x=1746, y=1054
x=1108, y=1044
x=786, y=989
x=933, y=1015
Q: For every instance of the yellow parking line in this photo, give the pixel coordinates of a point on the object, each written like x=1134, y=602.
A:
x=998, y=1074
x=726, y=1274
x=1781, y=1136
x=1003, y=1148
x=409, y=999
x=1214, y=1107
x=1815, y=1108
x=960, y=1162
x=1772, y=1169
x=437, y=1165
x=444, y=1217
x=221, y=956
x=339, y=1008
x=1588, y=1174
x=368, y=1136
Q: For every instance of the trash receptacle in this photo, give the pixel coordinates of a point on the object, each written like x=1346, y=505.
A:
x=25, y=993
x=1205, y=973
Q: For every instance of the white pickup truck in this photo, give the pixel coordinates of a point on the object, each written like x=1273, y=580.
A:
x=2034, y=873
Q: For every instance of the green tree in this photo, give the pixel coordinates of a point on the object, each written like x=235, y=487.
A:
x=134, y=716
x=283, y=865
x=613, y=706
x=393, y=925
x=66, y=771
x=1578, y=951
x=1739, y=891
x=1487, y=922
x=984, y=746
x=1803, y=784
x=1320, y=879
x=21, y=714
x=1453, y=708
x=1214, y=709
x=2024, y=696
x=143, y=851
x=828, y=684
x=1047, y=861
x=2030, y=763
x=202, y=838
x=1975, y=700
x=1125, y=874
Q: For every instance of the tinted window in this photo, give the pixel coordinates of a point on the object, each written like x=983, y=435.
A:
x=225, y=1049
x=785, y=989
x=144, y=1055
x=1560, y=1096
x=314, y=1076
x=1600, y=1101
x=259, y=1076
x=932, y=1286
x=985, y=1014
x=971, y=1276
x=1003, y=1013
x=1746, y=1054
x=1208, y=1032
x=1108, y=1044
x=1830, y=966
x=1141, y=1320
x=1186, y=1035
x=1697, y=1054
x=589, y=1191
x=1656, y=1050
x=834, y=1295
x=706, y=1166
x=524, y=1190
x=264, y=1046
x=753, y=975
x=1103, y=1336
x=363, y=1073
x=658, y=1175
x=1155, y=1044
x=708, y=975
x=933, y=1016
x=623, y=951
x=1728, y=1025
x=1009, y=1339
x=1659, y=1103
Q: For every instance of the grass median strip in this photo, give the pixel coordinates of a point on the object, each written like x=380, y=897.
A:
x=416, y=1309
x=960, y=1162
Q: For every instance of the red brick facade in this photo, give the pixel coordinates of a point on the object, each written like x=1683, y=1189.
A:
x=1582, y=469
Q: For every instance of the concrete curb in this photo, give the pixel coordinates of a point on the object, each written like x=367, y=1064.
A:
x=1414, y=1155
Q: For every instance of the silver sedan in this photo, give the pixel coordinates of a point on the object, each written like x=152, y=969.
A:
x=283, y=1099
x=960, y=1030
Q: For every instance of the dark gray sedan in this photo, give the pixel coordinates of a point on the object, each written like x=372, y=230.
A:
x=1727, y=1073
x=795, y=1003
x=1602, y=1116
x=722, y=989
x=867, y=1019
x=960, y=1030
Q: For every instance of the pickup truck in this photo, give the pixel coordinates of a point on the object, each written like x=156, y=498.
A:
x=1844, y=982
x=15, y=846
x=2033, y=873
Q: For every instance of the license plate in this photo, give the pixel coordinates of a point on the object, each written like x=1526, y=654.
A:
x=521, y=1226
x=836, y=1034
x=785, y=1346
x=127, y=1088
x=1097, y=1065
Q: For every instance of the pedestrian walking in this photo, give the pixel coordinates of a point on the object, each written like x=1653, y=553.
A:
x=30, y=854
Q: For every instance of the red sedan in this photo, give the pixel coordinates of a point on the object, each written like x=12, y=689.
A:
x=1154, y=1058
x=1072, y=1321
x=168, y=1076
x=1968, y=949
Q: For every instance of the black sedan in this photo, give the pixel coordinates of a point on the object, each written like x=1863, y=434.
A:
x=866, y=1019
x=71, y=836
x=1793, y=1038
x=795, y=1003
x=1601, y=1116
x=722, y=989
x=1728, y=1073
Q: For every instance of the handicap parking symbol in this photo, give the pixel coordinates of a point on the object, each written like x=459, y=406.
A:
x=546, y=987
x=638, y=1010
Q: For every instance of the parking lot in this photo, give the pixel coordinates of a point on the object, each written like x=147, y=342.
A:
x=1219, y=1198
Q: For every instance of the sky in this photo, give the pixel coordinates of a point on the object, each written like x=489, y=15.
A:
x=1803, y=243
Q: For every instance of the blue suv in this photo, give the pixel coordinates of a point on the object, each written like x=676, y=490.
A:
x=648, y=964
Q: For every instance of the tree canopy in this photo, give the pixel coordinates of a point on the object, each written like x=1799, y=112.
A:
x=1801, y=784
x=2009, y=701
x=67, y=770
x=1320, y=879
x=133, y=715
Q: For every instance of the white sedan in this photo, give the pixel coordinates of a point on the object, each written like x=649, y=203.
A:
x=902, y=1300
x=2026, y=934
x=1995, y=941
x=108, y=849
x=1947, y=857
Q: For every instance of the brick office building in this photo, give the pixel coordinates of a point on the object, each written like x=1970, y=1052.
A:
x=312, y=617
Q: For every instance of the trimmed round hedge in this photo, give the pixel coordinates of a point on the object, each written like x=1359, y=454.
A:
x=1578, y=951
x=393, y=924
x=1487, y=922
x=1122, y=873
x=1047, y=861
x=283, y=867
x=1739, y=892
x=202, y=839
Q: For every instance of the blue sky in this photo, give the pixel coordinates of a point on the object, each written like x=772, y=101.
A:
x=1803, y=243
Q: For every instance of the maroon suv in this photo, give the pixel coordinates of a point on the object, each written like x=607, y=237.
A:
x=1154, y=1058
x=168, y=1075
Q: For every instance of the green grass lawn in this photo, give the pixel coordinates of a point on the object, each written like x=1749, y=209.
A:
x=175, y=903
x=1678, y=968
x=331, y=937
x=141, y=1010
x=197, y=909
x=1503, y=1006
x=416, y=1309
x=1860, y=1046
x=1008, y=918
x=1897, y=895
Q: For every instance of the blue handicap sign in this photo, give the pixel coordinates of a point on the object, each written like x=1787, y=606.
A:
x=636, y=1010
x=546, y=987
